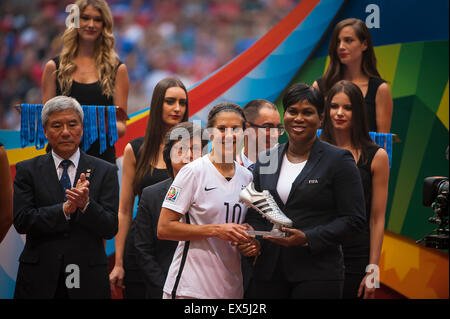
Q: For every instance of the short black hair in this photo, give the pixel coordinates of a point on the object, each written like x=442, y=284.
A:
x=251, y=109
x=299, y=92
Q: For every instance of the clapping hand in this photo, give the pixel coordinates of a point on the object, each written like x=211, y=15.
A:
x=78, y=196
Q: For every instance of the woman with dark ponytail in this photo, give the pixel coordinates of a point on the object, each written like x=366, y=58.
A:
x=202, y=211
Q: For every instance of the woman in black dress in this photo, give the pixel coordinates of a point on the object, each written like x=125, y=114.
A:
x=143, y=165
x=345, y=126
x=352, y=58
x=89, y=70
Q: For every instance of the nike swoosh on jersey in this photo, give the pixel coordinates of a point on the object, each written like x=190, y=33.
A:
x=209, y=189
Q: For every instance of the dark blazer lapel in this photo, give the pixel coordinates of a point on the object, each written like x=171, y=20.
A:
x=272, y=179
x=47, y=170
x=83, y=166
x=314, y=158
x=163, y=190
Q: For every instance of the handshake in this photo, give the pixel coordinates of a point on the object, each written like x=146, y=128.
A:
x=282, y=232
x=250, y=247
x=243, y=236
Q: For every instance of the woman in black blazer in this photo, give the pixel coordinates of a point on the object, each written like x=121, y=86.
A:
x=153, y=255
x=318, y=187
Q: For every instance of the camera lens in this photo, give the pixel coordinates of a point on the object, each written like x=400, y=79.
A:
x=443, y=187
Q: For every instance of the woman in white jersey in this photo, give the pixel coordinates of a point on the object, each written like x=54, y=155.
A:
x=202, y=211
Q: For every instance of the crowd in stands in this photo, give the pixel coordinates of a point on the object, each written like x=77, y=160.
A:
x=156, y=39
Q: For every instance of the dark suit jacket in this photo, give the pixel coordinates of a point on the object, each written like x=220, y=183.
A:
x=154, y=255
x=326, y=202
x=52, y=242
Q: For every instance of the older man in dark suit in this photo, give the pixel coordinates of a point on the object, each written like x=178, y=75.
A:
x=66, y=203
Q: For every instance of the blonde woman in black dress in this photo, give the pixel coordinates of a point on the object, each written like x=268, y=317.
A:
x=89, y=70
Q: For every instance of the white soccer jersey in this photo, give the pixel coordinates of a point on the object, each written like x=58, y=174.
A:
x=207, y=268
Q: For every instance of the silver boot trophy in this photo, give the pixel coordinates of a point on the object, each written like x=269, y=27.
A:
x=264, y=204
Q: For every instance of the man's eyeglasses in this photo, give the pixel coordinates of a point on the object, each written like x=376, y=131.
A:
x=268, y=127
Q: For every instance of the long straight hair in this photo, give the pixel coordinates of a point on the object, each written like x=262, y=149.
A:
x=147, y=155
x=106, y=58
x=335, y=70
x=359, y=135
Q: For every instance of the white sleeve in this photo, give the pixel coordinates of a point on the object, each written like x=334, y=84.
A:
x=180, y=195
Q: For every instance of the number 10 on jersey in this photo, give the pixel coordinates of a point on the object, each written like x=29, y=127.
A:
x=235, y=217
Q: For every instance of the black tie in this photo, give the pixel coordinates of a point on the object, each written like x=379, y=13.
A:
x=65, y=180
x=251, y=167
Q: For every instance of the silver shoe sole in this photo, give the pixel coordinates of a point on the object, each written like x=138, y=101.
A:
x=265, y=216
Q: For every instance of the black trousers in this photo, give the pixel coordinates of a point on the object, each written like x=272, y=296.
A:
x=355, y=266
x=279, y=288
x=61, y=288
x=351, y=285
x=134, y=290
x=134, y=284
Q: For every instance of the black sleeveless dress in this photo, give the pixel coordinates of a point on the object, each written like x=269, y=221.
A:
x=357, y=249
x=148, y=179
x=371, y=94
x=134, y=279
x=91, y=94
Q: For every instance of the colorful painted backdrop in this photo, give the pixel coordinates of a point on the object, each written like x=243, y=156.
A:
x=411, y=44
